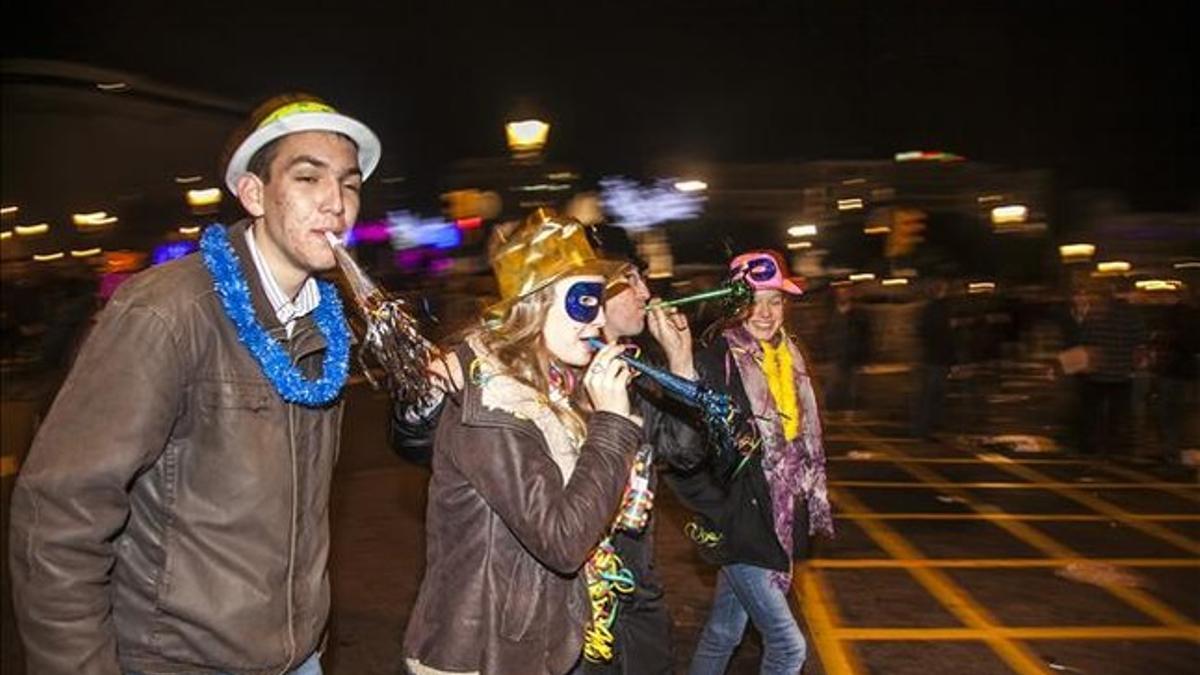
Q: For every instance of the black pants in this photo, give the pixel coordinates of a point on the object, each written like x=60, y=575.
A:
x=1107, y=409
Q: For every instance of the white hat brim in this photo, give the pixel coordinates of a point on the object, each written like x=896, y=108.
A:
x=368, y=144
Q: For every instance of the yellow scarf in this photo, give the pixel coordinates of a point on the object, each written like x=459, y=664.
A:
x=777, y=366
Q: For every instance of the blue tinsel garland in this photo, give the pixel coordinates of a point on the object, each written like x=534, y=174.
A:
x=276, y=365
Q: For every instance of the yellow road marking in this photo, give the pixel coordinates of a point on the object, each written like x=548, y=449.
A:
x=820, y=613
x=1045, y=484
x=993, y=563
x=947, y=460
x=1100, y=506
x=8, y=466
x=1144, y=602
x=1178, y=489
x=1020, y=633
x=1082, y=517
x=946, y=591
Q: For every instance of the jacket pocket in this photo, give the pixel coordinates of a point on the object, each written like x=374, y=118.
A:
x=523, y=598
x=216, y=395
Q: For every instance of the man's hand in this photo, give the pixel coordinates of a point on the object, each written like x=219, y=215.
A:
x=670, y=327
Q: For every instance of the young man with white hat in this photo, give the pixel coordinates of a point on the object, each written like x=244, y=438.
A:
x=173, y=513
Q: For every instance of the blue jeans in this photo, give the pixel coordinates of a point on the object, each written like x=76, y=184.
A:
x=311, y=666
x=746, y=592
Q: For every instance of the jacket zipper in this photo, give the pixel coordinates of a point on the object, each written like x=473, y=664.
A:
x=291, y=569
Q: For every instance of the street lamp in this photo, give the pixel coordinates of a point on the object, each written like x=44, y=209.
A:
x=526, y=137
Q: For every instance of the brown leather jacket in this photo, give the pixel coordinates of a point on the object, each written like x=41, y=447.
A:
x=506, y=539
x=173, y=513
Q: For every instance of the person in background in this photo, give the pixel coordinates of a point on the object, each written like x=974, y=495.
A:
x=848, y=339
x=936, y=343
x=1176, y=368
x=1073, y=361
x=1115, y=341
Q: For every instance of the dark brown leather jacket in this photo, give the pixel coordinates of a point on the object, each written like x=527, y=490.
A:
x=173, y=513
x=502, y=593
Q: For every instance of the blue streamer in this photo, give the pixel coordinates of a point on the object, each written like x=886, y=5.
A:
x=292, y=385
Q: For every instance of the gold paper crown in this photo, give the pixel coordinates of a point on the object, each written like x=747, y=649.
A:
x=542, y=250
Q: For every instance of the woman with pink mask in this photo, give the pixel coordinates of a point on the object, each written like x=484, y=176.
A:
x=759, y=505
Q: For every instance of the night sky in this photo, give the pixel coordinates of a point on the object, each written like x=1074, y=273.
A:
x=1103, y=93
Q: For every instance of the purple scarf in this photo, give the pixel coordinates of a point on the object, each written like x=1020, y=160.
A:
x=793, y=468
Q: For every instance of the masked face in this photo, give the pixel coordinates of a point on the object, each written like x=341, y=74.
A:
x=575, y=315
x=625, y=311
x=766, y=316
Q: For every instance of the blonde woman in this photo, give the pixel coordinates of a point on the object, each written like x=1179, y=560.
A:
x=531, y=455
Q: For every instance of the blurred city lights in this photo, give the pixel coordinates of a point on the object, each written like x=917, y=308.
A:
x=988, y=199
x=849, y=204
x=172, y=250
x=94, y=219
x=8, y=210
x=895, y=281
x=204, y=197
x=408, y=230
x=6, y=234
x=1076, y=251
x=877, y=229
x=368, y=232
x=927, y=156
x=981, y=287
x=48, y=257
x=1187, y=265
x=1113, y=266
x=187, y=180
x=1159, y=285
x=189, y=230
x=639, y=208
x=862, y=276
x=85, y=252
x=806, y=230
x=795, y=245
x=30, y=230
x=526, y=135
x=112, y=86
x=1010, y=213
x=691, y=186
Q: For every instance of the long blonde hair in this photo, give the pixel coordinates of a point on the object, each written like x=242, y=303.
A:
x=516, y=343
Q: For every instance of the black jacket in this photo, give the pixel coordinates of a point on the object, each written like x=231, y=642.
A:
x=738, y=508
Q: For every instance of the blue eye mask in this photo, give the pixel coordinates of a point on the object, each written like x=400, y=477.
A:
x=583, y=300
x=762, y=269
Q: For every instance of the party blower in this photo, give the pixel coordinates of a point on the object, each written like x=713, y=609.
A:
x=391, y=332
x=736, y=292
x=716, y=408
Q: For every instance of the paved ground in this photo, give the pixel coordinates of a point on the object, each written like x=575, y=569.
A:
x=950, y=555
x=956, y=558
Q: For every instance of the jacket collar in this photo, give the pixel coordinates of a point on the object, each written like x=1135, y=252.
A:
x=306, y=338
x=474, y=413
